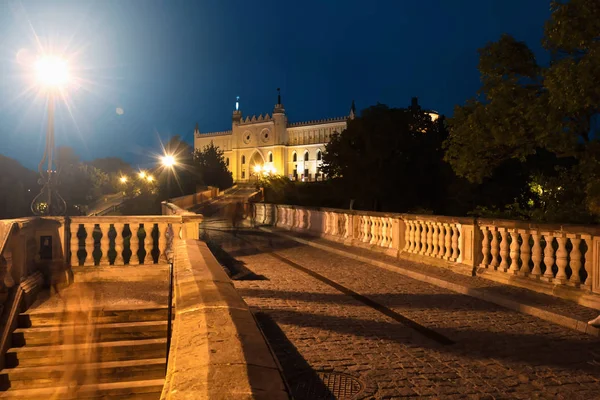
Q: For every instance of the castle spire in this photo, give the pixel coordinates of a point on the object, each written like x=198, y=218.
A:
x=237, y=113
x=278, y=107
x=196, y=130
x=352, y=110
x=237, y=103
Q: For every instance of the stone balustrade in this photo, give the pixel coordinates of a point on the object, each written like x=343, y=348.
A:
x=561, y=260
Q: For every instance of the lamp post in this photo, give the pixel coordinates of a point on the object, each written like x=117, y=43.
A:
x=168, y=161
x=52, y=75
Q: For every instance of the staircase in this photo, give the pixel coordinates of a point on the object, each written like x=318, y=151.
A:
x=97, y=353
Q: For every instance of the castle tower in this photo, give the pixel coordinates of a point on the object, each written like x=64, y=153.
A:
x=196, y=130
x=237, y=113
x=280, y=120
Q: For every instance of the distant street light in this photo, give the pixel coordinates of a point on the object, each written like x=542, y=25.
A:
x=123, y=179
x=52, y=75
x=149, y=178
x=142, y=174
x=169, y=162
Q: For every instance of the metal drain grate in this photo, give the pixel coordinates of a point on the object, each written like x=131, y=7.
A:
x=321, y=385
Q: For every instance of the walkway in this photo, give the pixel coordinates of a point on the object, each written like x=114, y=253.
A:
x=398, y=336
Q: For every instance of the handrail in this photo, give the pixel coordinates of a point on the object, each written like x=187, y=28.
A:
x=169, y=314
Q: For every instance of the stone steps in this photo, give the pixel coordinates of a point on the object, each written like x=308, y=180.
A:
x=138, y=390
x=59, y=334
x=102, y=372
x=103, y=351
x=111, y=353
x=100, y=316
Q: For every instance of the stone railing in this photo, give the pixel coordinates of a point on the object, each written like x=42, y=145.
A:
x=129, y=240
x=217, y=350
x=191, y=200
x=560, y=260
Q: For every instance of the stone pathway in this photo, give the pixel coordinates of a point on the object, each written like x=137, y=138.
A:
x=326, y=312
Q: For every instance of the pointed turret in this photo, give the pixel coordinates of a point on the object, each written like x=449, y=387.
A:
x=196, y=130
x=279, y=107
x=237, y=113
x=352, y=110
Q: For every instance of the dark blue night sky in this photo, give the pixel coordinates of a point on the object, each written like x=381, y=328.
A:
x=170, y=64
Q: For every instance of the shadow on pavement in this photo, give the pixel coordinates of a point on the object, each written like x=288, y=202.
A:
x=304, y=382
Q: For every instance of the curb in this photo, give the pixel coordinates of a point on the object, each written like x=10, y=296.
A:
x=503, y=301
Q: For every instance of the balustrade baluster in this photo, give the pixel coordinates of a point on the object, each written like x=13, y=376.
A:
x=485, y=247
x=74, y=229
x=434, y=240
x=367, y=227
x=454, y=243
x=548, y=257
x=448, y=241
x=408, y=235
x=525, y=253
x=575, y=257
x=503, y=250
x=134, y=244
x=119, y=243
x=441, y=240
x=162, y=242
x=536, y=254
x=494, y=247
x=429, y=239
x=423, y=248
x=104, y=243
x=384, y=232
x=375, y=231
x=514, y=251
x=587, y=265
x=412, y=236
x=89, y=244
x=561, y=259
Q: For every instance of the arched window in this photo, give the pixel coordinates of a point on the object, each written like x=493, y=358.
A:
x=270, y=157
x=295, y=157
x=306, y=156
x=227, y=161
x=243, y=159
x=319, y=156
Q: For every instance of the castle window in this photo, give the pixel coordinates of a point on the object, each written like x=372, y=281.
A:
x=270, y=157
x=227, y=161
x=306, y=156
x=319, y=156
x=243, y=174
x=243, y=159
x=295, y=157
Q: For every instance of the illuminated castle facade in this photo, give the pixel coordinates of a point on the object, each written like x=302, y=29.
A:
x=270, y=144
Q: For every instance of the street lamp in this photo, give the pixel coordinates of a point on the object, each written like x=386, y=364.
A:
x=52, y=74
x=142, y=174
x=168, y=161
x=149, y=178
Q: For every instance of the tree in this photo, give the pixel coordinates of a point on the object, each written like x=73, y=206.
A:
x=540, y=121
x=18, y=186
x=389, y=159
x=212, y=168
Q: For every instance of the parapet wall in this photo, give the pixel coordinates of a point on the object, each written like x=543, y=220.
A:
x=217, y=350
x=558, y=260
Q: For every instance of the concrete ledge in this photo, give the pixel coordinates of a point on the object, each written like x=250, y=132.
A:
x=217, y=350
x=481, y=294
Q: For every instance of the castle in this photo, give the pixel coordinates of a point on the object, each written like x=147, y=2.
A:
x=269, y=144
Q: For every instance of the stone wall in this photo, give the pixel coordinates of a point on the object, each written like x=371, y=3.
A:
x=560, y=260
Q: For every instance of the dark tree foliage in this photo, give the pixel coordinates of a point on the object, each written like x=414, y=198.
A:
x=390, y=159
x=541, y=122
x=18, y=187
x=211, y=167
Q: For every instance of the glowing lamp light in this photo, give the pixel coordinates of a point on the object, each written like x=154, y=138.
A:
x=52, y=71
x=257, y=168
x=123, y=179
x=168, y=161
x=150, y=178
x=142, y=174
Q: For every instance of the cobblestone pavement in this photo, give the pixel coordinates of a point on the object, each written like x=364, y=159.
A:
x=495, y=353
